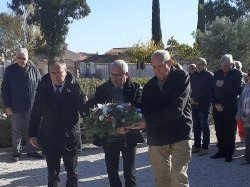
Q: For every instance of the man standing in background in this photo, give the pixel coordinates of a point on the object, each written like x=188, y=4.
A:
x=18, y=92
x=201, y=82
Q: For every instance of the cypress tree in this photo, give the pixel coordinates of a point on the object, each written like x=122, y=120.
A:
x=201, y=16
x=156, y=22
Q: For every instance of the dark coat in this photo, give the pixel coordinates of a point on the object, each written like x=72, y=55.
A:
x=168, y=111
x=132, y=94
x=227, y=95
x=55, y=120
x=19, y=87
x=201, y=85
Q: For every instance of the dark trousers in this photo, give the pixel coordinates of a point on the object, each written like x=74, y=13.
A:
x=70, y=162
x=247, y=143
x=225, y=127
x=201, y=127
x=112, y=156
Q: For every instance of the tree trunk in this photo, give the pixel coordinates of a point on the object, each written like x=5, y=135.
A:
x=156, y=22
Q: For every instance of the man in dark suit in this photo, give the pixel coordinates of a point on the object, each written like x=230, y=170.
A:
x=54, y=121
x=119, y=89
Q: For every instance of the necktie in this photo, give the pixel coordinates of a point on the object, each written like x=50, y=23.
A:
x=58, y=89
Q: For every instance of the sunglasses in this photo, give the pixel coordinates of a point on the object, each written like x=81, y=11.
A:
x=21, y=58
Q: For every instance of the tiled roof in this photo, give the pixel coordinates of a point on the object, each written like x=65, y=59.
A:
x=71, y=55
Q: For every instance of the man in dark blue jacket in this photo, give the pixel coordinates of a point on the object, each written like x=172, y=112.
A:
x=18, y=92
x=201, y=82
x=227, y=85
x=167, y=111
x=54, y=123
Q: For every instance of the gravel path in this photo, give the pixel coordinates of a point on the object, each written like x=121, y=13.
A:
x=203, y=171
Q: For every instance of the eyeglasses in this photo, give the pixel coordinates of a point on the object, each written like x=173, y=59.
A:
x=57, y=72
x=21, y=58
x=116, y=75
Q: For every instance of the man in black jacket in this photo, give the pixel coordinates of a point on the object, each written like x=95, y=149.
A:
x=54, y=122
x=201, y=82
x=167, y=111
x=119, y=89
x=18, y=92
x=227, y=85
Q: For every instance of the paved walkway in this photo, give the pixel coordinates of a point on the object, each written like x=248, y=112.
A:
x=203, y=171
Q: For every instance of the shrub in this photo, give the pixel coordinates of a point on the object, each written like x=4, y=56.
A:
x=88, y=85
x=5, y=128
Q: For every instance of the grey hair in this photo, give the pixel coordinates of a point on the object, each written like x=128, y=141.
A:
x=163, y=55
x=58, y=62
x=238, y=65
x=193, y=66
x=121, y=64
x=203, y=61
x=23, y=51
x=227, y=59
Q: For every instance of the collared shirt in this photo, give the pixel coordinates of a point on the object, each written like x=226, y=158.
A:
x=60, y=89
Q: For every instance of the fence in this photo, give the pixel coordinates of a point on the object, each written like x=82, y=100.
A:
x=101, y=70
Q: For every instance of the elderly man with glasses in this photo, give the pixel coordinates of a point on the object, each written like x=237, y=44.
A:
x=54, y=123
x=18, y=92
x=119, y=89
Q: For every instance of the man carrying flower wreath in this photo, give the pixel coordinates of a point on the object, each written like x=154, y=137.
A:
x=167, y=111
x=119, y=89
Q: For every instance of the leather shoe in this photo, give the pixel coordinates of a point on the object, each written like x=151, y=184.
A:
x=15, y=158
x=245, y=163
x=218, y=155
x=228, y=159
x=35, y=155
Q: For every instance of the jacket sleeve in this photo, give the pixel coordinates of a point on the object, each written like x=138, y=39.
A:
x=36, y=114
x=138, y=95
x=239, y=108
x=82, y=99
x=6, y=89
x=173, y=111
x=98, y=98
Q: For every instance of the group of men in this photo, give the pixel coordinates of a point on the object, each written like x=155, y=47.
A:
x=222, y=90
x=49, y=107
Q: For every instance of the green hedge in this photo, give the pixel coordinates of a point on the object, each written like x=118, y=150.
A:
x=88, y=86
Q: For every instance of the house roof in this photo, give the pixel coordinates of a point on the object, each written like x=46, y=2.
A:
x=71, y=55
x=102, y=58
x=117, y=51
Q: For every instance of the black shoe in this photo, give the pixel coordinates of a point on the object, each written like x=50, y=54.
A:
x=218, y=155
x=228, y=159
x=35, y=155
x=245, y=163
x=15, y=158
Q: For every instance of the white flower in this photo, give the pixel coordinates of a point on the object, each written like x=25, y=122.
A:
x=140, y=115
x=101, y=117
x=123, y=120
x=120, y=107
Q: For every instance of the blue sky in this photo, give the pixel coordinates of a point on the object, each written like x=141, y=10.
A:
x=122, y=23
